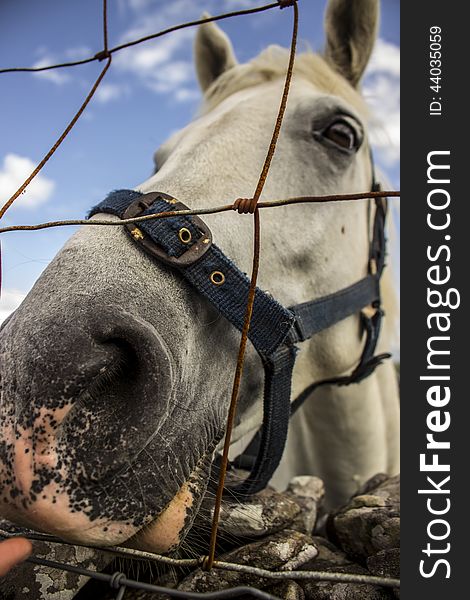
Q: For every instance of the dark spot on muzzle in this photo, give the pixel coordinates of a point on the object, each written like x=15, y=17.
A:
x=95, y=389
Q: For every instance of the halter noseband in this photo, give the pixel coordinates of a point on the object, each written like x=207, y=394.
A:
x=185, y=243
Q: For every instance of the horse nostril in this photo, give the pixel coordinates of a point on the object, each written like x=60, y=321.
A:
x=123, y=404
x=125, y=357
x=138, y=349
x=108, y=376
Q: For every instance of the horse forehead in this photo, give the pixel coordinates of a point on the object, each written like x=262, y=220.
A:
x=252, y=104
x=260, y=101
x=254, y=108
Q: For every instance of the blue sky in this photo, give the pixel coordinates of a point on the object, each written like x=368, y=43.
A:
x=149, y=92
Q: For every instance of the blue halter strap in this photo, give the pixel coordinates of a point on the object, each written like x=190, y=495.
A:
x=185, y=243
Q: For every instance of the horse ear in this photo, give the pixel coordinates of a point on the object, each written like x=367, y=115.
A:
x=351, y=29
x=213, y=53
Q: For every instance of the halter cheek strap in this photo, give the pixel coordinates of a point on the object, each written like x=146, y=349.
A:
x=185, y=243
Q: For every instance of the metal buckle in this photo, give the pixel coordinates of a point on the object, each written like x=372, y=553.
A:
x=192, y=254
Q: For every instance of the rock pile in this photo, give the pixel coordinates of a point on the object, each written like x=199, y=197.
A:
x=278, y=531
x=362, y=537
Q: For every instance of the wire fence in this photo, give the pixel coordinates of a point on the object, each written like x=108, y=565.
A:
x=119, y=581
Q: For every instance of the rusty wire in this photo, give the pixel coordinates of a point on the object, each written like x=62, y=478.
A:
x=205, y=211
x=107, y=54
x=74, y=119
x=59, y=141
x=121, y=582
x=99, y=55
x=105, y=27
x=252, y=208
x=251, y=205
x=333, y=576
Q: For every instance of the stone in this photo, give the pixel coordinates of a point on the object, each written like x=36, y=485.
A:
x=385, y=563
x=287, y=590
x=36, y=582
x=308, y=492
x=287, y=550
x=262, y=514
x=370, y=522
x=331, y=559
x=324, y=590
x=270, y=530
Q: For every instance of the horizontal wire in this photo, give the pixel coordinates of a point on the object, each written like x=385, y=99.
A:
x=119, y=581
x=237, y=13
x=48, y=67
x=310, y=575
x=205, y=211
x=242, y=208
x=197, y=562
x=104, y=54
x=332, y=576
x=107, y=54
x=58, y=142
x=115, y=550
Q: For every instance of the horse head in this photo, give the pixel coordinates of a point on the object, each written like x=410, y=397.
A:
x=116, y=374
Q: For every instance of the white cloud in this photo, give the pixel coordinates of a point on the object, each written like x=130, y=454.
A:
x=170, y=77
x=382, y=92
x=107, y=92
x=187, y=94
x=161, y=65
x=192, y=5
x=165, y=64
x=147, y=56
x=385, y=58
x=383, y=95
x=150, y=22
x=57, y=76
x=9, y=302
x=13, y=173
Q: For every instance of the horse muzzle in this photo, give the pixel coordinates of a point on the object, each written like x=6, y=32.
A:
x=89, y=442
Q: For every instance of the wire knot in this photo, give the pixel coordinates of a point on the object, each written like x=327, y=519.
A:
x=206, y=563
x=103, y=55
x=245, y=205
x=286, y=3
x=116, y=579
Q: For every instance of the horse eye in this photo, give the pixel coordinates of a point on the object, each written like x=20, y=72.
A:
x=343, y=135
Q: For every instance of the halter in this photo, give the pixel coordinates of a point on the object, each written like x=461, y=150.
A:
x=185, y=243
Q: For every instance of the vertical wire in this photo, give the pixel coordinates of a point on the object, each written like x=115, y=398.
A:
x=208, y=563
x=75, y=118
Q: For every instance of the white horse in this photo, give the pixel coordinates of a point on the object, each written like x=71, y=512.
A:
x=116, y=374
